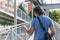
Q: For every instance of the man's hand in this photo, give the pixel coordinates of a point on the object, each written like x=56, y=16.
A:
x=26, y=28
x=29, y=31
x=52, y=31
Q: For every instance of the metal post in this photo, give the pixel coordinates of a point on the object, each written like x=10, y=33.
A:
x=32, y=11
x=15, y=17
x=15, y=13
x=21, y=14
x=11, y=34
x=11, y=30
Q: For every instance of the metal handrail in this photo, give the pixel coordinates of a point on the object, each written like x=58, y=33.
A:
x=24, y=14
x=13, y=27
x=56, y=24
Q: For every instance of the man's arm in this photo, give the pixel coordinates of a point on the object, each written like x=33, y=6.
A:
x=30, y=32
x=52, y=31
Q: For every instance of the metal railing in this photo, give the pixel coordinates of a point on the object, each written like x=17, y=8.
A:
x=9, y=32
x=57, y=34
x=23, y=15
x=20, y=14
x=21, y=34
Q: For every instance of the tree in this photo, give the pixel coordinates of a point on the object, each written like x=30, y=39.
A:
x=22, y=8
x=55, y=15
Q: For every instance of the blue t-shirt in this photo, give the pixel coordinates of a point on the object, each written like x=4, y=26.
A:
x=38, y=32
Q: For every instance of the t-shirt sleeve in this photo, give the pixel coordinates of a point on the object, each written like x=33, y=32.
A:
x=51, y=23
x=33, y=23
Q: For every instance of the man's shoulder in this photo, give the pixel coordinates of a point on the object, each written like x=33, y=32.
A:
x=46, y=17
x=34, y=19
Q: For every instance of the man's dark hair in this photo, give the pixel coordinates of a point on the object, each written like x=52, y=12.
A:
x=45, y=10
x=39, y=10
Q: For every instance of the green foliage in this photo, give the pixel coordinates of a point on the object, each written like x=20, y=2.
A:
x=31, y=14
x=55, y=15
x=22, y=8
x=5, y=22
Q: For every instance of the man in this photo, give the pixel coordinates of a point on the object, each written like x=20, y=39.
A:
x=36, y=28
